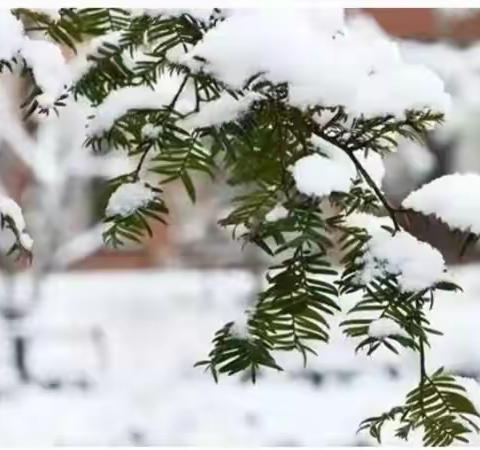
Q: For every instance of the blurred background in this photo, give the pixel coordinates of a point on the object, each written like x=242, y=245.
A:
x=97, y=346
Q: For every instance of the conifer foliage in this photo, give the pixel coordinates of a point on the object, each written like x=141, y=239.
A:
x=299, y=131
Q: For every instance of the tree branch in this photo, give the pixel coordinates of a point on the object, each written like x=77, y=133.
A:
x=390, y=209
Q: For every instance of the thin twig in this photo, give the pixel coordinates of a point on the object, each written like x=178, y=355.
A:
x=169, y=108
x=390, y=209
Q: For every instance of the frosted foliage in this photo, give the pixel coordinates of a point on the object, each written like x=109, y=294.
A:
x=128, y=198
x=216, y=112
x=416, y=264
x=324, y=60
x=384, y=327
x=122, y=100
x=319, y=176
x=371, y=224
x=48, y=65
x=451, y=199
x=202, y=14
x=11, y=35
x=84, y=59
x=10, y=208
x=276, y=213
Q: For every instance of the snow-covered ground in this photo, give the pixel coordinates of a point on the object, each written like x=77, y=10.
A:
x=134, y=337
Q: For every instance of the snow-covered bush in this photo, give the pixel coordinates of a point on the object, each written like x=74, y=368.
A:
x=298, y=107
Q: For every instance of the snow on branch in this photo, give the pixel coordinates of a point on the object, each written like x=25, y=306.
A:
x=451, y=199
x=416, y=264
x=128, y=198
x=10, y=210
x=323, y=60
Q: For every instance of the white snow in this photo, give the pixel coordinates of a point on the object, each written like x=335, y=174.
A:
x=11, y=35
x=319, y=176
x=372, y=224
x=239, y=328
x=224, y=109
x=122, y=100
x=384, y=327
x=417, y=265
x=128, y=198
x=335, y=172
x=323, y=59
x=150, y=131
x=393, y=90
x=10, y=208
x=202, y=14
x=157, y=323
x=48, y=65
x=276, y=213
x=452, y=199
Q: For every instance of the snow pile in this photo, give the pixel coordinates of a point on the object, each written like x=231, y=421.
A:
x=43, y=57
x=150, y=391
x=319, y=176
x=323, y=59
x=150, y=131
x=239, y=328
x=370, y=223
x=11, y=35
x=128, y=198
x=48, y=65
x=224, y=109
x=10, y=208
x=450, y=198
x=276, y=213
x=416, y=264
x=384, y=327
x=335, y=172
x=121, y=101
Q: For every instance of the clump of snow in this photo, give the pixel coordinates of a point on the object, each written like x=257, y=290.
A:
x=48, y=65
x=370, y=223
x=121, y=101
x=224, y=109
x=11, y=35
x=416, y=264
x=239, y=328
x=45, y=100
x=319, y=176
x=276, y=213
x=324, y=60
x=393, y=90
x=335, y=172
x=26, y=240
x=150, y=131
x=384, y=327
x=52, y=13
x=451, y=199
x=10, y=208
x=128, y=198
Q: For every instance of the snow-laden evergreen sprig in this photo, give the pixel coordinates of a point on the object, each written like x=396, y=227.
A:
x=220, y=96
